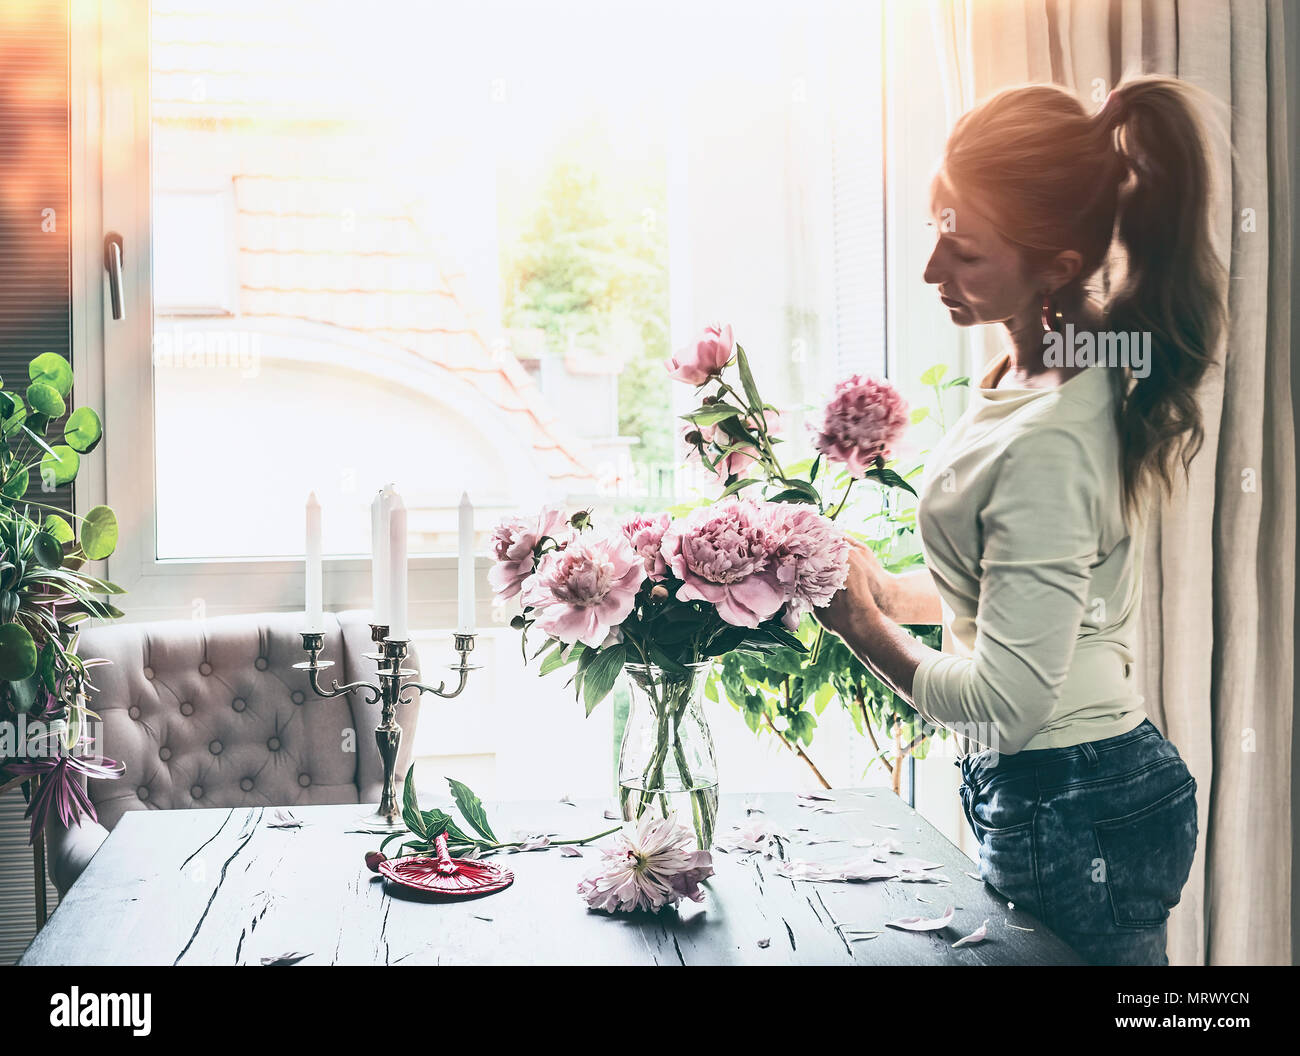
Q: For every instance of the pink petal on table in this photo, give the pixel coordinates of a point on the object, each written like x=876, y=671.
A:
x=923, y=923
x=858, y=870
x=570, y=852
x=565, y=799
x=764, y=943
x=884, y=825
x=533, y=843
x=978, y=935
x=611, y=816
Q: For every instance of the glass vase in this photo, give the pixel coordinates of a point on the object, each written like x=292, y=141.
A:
x=666, y=763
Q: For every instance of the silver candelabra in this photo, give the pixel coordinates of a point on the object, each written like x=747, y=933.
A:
x=390, y=692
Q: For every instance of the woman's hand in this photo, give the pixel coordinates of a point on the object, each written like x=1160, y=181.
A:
x=855, y=604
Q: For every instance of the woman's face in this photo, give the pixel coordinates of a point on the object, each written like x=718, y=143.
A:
x=980, y=276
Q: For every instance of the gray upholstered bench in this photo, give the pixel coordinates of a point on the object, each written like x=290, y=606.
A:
x=212, y=713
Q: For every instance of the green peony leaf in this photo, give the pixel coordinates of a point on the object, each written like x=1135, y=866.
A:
x=471, y=809
x=53, y=370
x=601, y=674
x=99, y=533
x=83, y=431
x=935, y=374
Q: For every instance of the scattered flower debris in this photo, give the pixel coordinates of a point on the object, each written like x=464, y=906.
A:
x=978, y=935
x=283, y=959
x=923, y=923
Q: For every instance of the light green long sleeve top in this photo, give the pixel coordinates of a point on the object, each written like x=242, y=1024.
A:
x=1022, y=527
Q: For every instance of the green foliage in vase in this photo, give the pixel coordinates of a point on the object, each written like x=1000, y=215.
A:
x=784, y=692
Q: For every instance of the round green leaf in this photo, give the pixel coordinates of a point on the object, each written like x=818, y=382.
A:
x=52, y=369
x=47, y=550
x=45, y=399
x=16, y=486
x=61, y=467
x=17, y=653
x=99, y=533
x=82, y=430
x=59, y=528
x=17, y=413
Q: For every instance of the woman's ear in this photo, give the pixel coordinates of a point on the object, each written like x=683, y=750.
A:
x=1063, y=270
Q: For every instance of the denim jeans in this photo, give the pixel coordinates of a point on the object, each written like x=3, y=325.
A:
x=1096, y=840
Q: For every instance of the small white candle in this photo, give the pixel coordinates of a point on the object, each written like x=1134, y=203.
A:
x=465, y=568
x=397, y=567
x=379, y=556
x=315, y=612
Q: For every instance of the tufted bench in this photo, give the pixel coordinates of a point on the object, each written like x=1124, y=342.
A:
x=212, y=714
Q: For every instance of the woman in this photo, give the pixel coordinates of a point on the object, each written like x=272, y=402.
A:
x=1032, y=506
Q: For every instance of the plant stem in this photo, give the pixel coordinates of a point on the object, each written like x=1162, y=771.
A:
x=866, y=722
x=797, y=751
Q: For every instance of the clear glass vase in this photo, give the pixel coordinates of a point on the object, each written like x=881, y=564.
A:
x=666, y=762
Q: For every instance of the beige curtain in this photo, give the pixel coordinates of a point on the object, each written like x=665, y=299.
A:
x=1219, y=572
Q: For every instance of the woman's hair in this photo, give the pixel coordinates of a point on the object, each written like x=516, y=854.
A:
x=1133, y=177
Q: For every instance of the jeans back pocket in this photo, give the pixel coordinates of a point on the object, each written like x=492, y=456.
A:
x=1147, y=856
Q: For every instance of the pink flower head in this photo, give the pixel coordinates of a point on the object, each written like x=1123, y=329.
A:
x=583, y=592
x=706, y=358
x=722, y=554
x=864, y=420
x=645, y=533
x=736, y=462
x=514, y=544
x=651, y=865
x=811, y=556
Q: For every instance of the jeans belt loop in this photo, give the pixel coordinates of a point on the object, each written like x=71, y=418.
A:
x=1089, y=753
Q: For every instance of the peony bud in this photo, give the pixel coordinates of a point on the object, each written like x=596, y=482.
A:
x=373, y=858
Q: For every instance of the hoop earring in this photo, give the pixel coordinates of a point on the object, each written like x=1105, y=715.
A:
x=1050, y=316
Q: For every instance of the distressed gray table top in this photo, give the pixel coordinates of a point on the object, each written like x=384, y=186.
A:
x=221, y=887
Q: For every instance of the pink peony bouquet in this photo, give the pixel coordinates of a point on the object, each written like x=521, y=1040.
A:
x=737, y=574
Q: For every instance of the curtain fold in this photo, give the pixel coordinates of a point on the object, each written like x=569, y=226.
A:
x=1217, y=648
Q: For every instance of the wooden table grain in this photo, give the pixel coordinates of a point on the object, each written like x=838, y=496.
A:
x=222, y=886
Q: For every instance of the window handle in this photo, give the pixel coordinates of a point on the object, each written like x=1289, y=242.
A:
x=113, y=265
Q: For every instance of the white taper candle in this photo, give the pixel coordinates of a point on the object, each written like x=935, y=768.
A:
x=465, y=568
x=314, y=605
x=397, y=567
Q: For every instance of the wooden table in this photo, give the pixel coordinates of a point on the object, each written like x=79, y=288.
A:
x=221, y=887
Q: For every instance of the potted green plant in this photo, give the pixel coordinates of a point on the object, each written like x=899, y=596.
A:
x=46, y=592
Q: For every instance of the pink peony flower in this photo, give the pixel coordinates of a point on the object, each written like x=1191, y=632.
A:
x=811, y=556
x=706, y=358
x=514, y=541
x=645, y=533
x=583, y=592
x=722, y=554
x=864, y=420
x=736, y=462
x=651, y=865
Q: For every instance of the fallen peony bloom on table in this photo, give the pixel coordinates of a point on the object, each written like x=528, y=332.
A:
x=651, y=865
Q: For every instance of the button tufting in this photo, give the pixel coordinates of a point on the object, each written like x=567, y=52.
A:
x=297, y=697
x=274, y=744
x=214, y=747
x=260, y=663
x=142, y=792
x=148, y=673
x=133, y=711
x=196, y=791
x=304, y=780
x=187, y=708
x=164, y=754
x=239, y=703
x=246, y=783
x=205, y=668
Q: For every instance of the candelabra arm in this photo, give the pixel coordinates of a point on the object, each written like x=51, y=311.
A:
x=464, y=646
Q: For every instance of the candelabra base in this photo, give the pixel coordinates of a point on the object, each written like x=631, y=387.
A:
x=374, y=821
